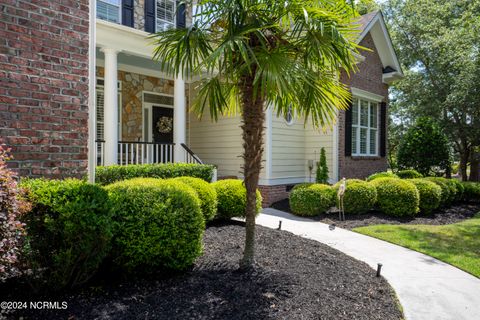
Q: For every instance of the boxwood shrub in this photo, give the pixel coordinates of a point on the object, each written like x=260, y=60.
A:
x=69, y=229
x=397, y=197
x=360, y=196
x=430, y=194
x=409, y=174
x=110, y=174
x=302, y=185
x=312, y=200
x=206, y=193
x=471, y=191
x=232, y=198
x=159, y=224
x=459, y=188
x=448, y=190
x=381, y=175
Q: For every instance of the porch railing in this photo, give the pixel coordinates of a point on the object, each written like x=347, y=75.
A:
x=139, y=152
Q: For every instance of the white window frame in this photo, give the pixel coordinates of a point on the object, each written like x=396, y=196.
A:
x=100, y=87
x=147, y=107
x=369, y=128
x=119, y=11
x=174, y=23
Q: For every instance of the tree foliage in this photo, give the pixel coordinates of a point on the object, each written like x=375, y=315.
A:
x=251, y=54
x=322, y=168
x=424, y=148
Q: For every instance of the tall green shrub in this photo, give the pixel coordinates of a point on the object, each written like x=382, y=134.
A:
x=424, y=148
x=69, y=228
x=322, y=168
x=159, y=224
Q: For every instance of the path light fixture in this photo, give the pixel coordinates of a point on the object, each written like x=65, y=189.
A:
x=279, y=225
x=379, y=269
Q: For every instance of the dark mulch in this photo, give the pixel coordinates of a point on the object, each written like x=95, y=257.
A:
x=295, y=278
x=454, y=214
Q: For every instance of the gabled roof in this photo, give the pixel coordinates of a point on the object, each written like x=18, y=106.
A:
x=374, y=24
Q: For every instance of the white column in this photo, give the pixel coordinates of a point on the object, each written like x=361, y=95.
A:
x=110, y=109
x=179, y=119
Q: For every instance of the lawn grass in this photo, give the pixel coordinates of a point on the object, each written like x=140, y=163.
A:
x=457, y=244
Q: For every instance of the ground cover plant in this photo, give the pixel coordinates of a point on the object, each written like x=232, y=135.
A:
x=457, y=244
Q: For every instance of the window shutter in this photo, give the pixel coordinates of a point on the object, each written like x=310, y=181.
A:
x=127, y=13
x=181, y=18
x=150, y=16
x=383, y=129
x=348, y=131
x=100, y=98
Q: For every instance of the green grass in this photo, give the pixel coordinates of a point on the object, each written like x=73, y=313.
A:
x=457, y=244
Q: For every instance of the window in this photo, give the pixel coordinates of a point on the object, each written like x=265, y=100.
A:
x=289, y=117
x=100, y=101
x=364, y=128
x=165, y=14
x=109, y=10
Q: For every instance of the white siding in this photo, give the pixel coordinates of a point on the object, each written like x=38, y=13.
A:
x=315, y=139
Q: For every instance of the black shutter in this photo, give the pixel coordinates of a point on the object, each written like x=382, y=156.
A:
x=150, y=16
x=181, y=19
x=383, y=129
x=348, y=131
x=127, y=13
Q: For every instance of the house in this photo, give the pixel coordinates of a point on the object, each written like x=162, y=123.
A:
x=78, y=88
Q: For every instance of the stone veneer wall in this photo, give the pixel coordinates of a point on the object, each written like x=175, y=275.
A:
x=133, y=85
x=44, y=86
x=139, y=14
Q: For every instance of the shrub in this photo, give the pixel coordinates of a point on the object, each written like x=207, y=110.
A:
x=359, y=197
x=430, y=194
x=302, y=185
x=459, y=188
x=381, y=175
x=111, y=174
x=232, y=198
x=322, y=168
x=159, y=224
x=69, y=229
x=397, y=197
x=11, y=229
x=206, y=193
x=409, y=174
x=424, y=148
x=471, y=191
x=312, y=200
x=448, y=190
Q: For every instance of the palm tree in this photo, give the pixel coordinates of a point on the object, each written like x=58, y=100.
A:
x=252, y=54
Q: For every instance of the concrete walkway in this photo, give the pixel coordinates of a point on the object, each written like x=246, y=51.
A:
x=427, y=288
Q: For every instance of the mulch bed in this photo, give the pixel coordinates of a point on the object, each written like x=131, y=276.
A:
x=294, y=278
x=454, y=214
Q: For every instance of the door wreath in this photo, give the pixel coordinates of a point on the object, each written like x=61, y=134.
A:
x=165, y=124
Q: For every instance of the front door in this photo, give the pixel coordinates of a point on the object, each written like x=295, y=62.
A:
x=162, y=133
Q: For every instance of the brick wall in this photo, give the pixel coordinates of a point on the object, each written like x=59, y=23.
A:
x=44, y=85
x=368, y=78
x=272, y=194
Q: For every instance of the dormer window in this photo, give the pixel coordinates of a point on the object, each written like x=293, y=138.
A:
x=109, y=10
x=165, y=18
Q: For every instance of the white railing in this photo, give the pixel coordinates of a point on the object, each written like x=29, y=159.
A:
x=137, y=152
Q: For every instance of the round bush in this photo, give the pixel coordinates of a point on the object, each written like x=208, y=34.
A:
x=312, y=200
x=430, y=195
x=360, y=196
x=397, y=197
x=160, y=224
x=459, y=188
x=232, y=198
x=381, y=175
x=68, y=231
x=448, y=190
x=409, y=174
x=471, y=191
x=302, y=185
x=206, y=193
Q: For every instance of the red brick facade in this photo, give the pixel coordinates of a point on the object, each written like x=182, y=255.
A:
x=44, y=85
x=272, y=194
x=368, y=78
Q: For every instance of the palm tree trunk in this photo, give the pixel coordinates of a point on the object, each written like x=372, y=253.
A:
x=253, y=118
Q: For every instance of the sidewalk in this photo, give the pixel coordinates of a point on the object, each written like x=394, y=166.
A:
x=427, y=288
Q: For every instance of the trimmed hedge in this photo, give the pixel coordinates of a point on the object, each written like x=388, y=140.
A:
x=312, y=200
x=471, y=191
x=302, y=185
x=110, y=174
x=448, y=189
x=409, y=174
x=430, y=194
x=459, y=188
x=381, y=175
x=159, y=224
x=360, y=196
x=232, y=198
x=206, y=193
x=397, y=197
x=69, y=229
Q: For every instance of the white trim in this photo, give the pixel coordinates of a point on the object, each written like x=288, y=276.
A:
x=268, y=142
x=335, y=157
x=119, y=10
x=99, y=87
x=359, y=93
x=280, y=181
x=159, y=94
x=390, y=77
x=138, y=70
x=149, y=105
x=92, y=114
x=358, y=127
